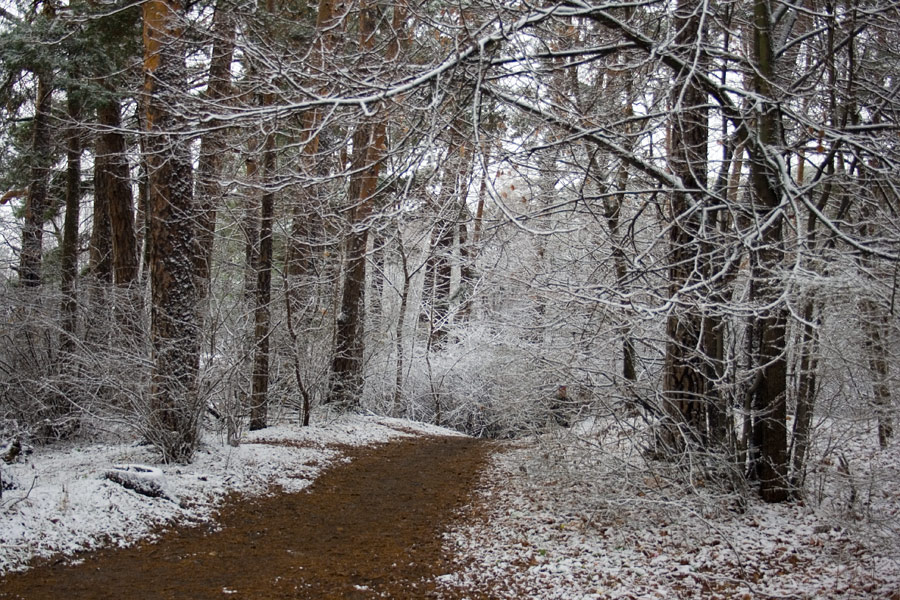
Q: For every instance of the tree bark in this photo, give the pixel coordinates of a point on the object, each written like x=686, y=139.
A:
x=401, y=317
x=348, y=355
x=305, y=211
x=770, y=399
x=69, y=250
x=112, y=188
x=259, y=399
x=213, y=145
x=36, y=201
x=806, y=395
x=684, y=383
x=175, y=410
x=369, y=143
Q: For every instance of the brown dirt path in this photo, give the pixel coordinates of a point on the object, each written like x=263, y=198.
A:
x=367, y=529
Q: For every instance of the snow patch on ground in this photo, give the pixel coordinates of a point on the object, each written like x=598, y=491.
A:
x=596, y=524
x=63, y=503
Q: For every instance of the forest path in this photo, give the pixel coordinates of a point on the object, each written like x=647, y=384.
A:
x=368, y=529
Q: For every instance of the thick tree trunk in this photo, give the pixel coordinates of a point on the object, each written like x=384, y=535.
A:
x=36, y=201
x=770, y=407
x=100, y=260
x=259, y=398
x=69, y=250
x=369, y=143
x=175, y=410
x=112, y=181
x=112, y=188
x=347, y=364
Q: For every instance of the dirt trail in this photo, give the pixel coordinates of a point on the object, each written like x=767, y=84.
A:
x=368, y=529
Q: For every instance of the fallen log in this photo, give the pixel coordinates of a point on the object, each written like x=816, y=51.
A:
x=147, y=481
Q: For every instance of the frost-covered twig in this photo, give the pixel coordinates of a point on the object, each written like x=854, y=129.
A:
x=17, y=500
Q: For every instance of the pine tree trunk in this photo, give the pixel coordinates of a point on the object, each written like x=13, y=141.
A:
x=259, y=399
x=100, y=259
x=369, y=142
x=113, y=184
x=59, y=422
x=36, y=201
x=69, y=250
x=305, y=213
x=175, y=411
x=213, y=145
x=112, y=189
x=347, y=365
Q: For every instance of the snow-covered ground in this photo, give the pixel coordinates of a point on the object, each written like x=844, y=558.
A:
x=63, y=503
x=580, y=516
x=590, y=519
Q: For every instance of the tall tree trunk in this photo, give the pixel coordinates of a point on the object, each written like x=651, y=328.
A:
x=112, y=182
x=369, y=143
x=112, y=189
x=36, y=201
x=612, y=212
x=59, y=423
x=100, y=261
x=259, y=399
x=469, y=249
x=69, y=250
x=401, y=318
x=808, y=349
x=346, y=364
x=213, y=145
x=806, y=394
x=175, y=410
x=251, y=225
x=684, y=383
x=100, y=256
x=468, y=253
x=305, y=211
x=770, y=399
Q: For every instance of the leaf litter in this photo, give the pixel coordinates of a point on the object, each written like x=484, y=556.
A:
x=581, y=515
